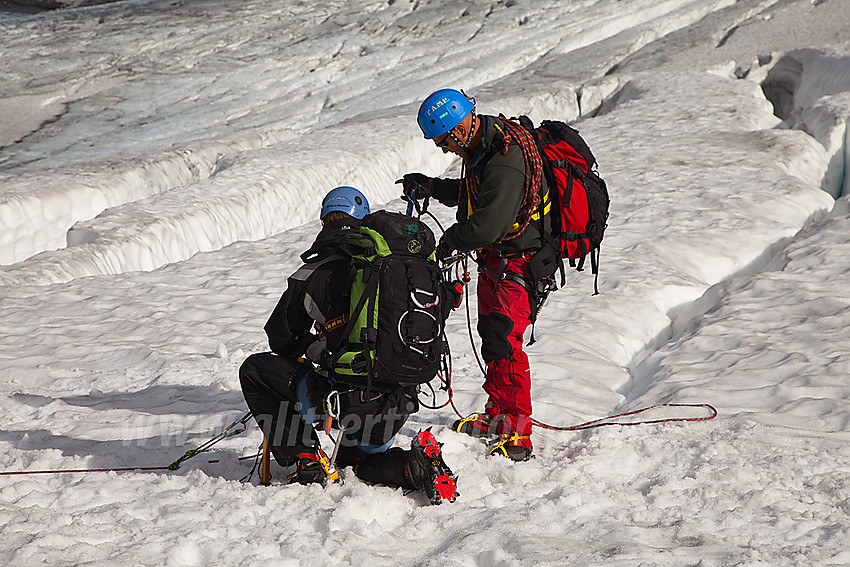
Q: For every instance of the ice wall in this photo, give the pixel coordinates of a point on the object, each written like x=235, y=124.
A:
x=810, y=91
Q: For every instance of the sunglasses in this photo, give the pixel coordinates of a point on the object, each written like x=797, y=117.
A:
x=444, y=144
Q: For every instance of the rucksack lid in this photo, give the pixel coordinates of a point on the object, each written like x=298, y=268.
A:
x=399, y=234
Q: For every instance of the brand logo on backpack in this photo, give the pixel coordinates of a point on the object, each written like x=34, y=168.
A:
x=398, y=306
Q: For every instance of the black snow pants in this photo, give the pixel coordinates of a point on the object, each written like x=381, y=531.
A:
x=286, y=397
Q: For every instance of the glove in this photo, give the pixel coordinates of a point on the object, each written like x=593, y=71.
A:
x=457, y=287
x=416, y=186
x=444, y=249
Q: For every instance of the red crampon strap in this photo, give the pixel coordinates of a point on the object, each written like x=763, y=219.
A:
x=429, y=444
x=446, y=487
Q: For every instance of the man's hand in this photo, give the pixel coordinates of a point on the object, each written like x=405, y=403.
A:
x=415, y=186
x=444, y=249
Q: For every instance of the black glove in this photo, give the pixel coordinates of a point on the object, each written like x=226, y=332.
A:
x=416, y=185
x=444, y=249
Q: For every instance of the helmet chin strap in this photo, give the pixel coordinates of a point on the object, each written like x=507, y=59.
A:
x=465, y=144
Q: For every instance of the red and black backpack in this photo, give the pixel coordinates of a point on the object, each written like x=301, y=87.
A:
x=579, y=196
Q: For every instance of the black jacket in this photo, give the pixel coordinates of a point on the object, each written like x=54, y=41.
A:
x=317, y=295
x=501, y=183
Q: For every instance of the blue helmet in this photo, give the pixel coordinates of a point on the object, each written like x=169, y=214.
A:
x=346, y=200
x=442, y=111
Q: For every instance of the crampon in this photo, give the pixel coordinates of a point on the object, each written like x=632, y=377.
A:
x=427, y=471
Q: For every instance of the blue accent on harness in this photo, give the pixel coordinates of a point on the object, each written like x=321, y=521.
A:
x=308, y=412
x=372, y=449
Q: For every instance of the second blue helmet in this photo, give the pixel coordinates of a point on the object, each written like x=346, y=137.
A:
x=346, y=200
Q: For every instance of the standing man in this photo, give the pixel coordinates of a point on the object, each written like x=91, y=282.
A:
x=498, y=201
x=288, y=389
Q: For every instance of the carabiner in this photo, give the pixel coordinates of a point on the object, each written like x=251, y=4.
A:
x=332, y=408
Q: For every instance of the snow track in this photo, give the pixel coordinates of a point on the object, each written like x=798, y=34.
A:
x=43, y=200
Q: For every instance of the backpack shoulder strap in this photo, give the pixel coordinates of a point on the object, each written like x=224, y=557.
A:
x=554, y=198
x=533, y=173
x=307, y=269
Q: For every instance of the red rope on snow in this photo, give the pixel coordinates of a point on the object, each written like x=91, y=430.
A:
x=602, y=422
x=122, y=469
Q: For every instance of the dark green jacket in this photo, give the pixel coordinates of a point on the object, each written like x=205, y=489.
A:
x=501, y=183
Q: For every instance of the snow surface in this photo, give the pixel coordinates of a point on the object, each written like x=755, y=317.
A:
x=162, y=168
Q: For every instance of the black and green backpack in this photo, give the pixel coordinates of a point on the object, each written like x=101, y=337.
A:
x=399, y=304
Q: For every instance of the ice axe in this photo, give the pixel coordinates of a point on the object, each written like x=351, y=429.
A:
x=411, y=199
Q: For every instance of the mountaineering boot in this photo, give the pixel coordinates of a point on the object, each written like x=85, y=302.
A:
x=426, y=470
x=314, y=466
x=512, y=445
x=476, y=425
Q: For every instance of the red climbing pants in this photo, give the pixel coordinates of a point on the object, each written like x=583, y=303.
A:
x=504, y=312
